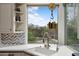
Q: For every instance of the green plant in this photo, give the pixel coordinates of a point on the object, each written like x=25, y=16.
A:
x=31, y=37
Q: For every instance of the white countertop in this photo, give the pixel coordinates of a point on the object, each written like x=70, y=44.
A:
x=63, y=50
x=18, y=47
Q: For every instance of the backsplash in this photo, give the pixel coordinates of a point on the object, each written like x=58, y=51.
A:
x=10, y=39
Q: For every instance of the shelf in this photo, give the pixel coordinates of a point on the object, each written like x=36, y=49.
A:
x=19, y=17
x=20, y=13
x=19, y=22
x=18, y=4
x=17, y=31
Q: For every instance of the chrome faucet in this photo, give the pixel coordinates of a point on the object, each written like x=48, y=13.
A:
x=46, y=40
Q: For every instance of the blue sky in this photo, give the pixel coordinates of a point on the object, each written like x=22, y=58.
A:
x=40, y=15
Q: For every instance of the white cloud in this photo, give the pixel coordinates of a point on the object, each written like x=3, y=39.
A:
x=32, y=9
x=35, y=18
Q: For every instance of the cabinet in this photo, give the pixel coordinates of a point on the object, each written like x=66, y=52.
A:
x=12, y=17
x=14, y=53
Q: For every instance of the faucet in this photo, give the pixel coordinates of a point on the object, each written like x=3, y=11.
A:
x=46, y=40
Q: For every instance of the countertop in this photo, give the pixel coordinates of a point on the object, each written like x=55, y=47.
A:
x=18, y=47
x=63, y=50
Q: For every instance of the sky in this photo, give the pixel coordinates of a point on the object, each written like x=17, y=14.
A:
x=40, y=15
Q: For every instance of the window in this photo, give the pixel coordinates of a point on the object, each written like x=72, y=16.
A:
x=38, y=18
x=71, y=25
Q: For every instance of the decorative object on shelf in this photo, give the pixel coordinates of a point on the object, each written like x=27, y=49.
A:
x=18, y=18
x=18, y=9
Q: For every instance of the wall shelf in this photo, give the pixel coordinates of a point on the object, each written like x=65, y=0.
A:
x=20, y=9
x=19, y=22
x=19, y=13
x=18, y=4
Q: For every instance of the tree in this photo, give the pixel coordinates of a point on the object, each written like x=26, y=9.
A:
x=31, y=37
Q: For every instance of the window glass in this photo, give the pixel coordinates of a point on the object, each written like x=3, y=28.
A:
x=38, y=18
x=71, y=25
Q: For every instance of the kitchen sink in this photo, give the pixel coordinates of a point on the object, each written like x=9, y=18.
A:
x=42, y=51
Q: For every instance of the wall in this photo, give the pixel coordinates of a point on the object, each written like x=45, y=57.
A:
x=61, y=24
x=5, y=17
x=26, y=24
x=7, y=26
x=11, y=39
x=0, y=38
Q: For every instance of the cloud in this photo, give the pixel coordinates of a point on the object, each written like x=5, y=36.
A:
x=35, y=18
x=32, y=9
